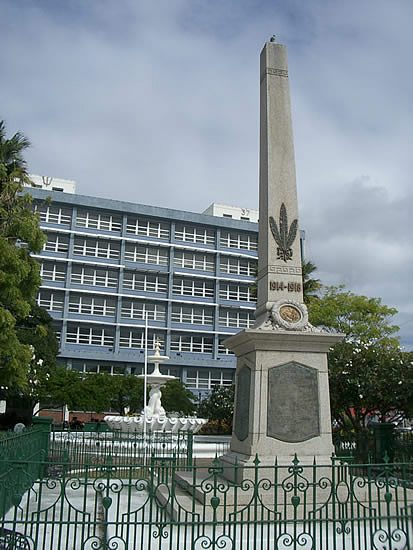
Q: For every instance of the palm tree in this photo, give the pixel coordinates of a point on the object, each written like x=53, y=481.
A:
x=13, y=174
x=12, y=163
x=310, y=286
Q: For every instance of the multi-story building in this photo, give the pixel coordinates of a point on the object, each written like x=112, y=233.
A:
x=109, y=265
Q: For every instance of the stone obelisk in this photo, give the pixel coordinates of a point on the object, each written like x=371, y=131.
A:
x=279, y=268
x=282, y=405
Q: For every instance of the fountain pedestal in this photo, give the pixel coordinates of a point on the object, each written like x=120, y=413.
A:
x=153, y=417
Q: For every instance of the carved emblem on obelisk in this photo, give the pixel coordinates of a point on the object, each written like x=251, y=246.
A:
x=283, y=235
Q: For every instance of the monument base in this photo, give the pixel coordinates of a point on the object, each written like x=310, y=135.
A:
x=282, y=405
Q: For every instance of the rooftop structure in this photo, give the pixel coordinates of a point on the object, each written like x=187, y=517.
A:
x=52, y=184
x=234, y=212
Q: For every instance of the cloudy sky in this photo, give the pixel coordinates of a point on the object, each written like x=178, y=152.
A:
x=158, y=103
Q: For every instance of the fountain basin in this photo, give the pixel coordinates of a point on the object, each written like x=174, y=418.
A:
x=135, y=424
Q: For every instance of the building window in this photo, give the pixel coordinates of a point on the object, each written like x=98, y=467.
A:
x=134, y=309
x=101, y=221
x=135, y=338
x=50, y=271
x=144, y=282
x=240, y=241
x=235, y=292
x=191, y=343
x=235, y=318
x=194, y=234
x=203, y=379
x=53, y=214
x=222, y=350
x=50, y=300
x=56, y=243
x=146, y=254
x=237, y=266
x=90, y=336
x=192, y=315
x=92, y=305
x=57, y=327
x=96, y=248
x=91, y=367
x=193, y=287
x=147, y=228
x=194, y=260
x=82, y=275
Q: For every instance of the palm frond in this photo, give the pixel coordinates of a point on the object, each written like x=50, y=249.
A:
x=283, y=226
x=274, y=231
x=292, y=233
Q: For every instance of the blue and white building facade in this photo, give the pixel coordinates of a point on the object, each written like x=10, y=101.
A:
x=107, y=265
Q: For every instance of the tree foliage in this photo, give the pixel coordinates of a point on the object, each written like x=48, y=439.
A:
x=103, y=392
x=80, y=391
x=36, y=330
x=218, y=407
x=20, y=236
x=358, y=317
x=126, y=394
x=66, y=387
x=310, y=286
x=369, y=374
x=369, y=380
x=177, y=398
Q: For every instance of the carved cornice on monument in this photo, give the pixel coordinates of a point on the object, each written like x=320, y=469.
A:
x=280, y=270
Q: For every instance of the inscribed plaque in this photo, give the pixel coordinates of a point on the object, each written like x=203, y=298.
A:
x=242, y=413
x=293, y=405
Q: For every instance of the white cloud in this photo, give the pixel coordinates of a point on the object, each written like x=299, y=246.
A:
x=158, y=103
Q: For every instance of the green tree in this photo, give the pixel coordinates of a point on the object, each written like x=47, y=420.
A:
x=101, y=392
x=126, y=394
x=36, y=330
x=80, y=391
x=177, y=398
x=368, y=372
x=20, y=236
x=369, y=379
x=358, y=317
x=218, y=408
x=66, y=387
x=310, y=286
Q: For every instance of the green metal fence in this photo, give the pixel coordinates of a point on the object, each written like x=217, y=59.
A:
x=160, y=505
x=79, y=448
x=22, y=459
x=371, y=445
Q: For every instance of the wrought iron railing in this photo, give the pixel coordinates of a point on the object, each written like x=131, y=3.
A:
x=96, y=445
x=22, y=459
x=370, y=445
x=162, y=506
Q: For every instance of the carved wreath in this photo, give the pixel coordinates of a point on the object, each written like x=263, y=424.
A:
x=283, y=235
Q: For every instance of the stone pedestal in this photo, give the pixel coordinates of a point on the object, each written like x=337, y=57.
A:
x=282, y=405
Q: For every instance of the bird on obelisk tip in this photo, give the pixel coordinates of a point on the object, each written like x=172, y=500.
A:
x=272, y=39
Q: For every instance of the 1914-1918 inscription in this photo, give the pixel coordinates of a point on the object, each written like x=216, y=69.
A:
x=281, y=285
x=293, y=407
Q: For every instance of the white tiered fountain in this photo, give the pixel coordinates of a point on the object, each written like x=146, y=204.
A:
x=153, y=415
